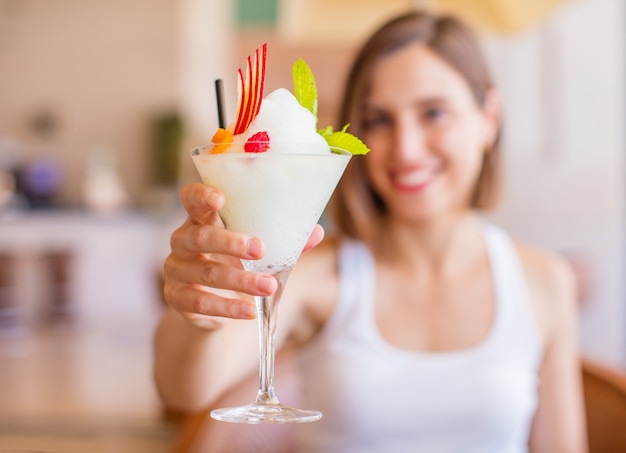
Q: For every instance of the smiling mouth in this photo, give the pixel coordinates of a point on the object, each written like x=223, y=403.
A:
x=414, y=179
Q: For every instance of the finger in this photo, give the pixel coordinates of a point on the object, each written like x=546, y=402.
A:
x=197, y=300
x=203, y=321
x=201, y=202
x=317, y=235
x=215, y=274
x=193, y=239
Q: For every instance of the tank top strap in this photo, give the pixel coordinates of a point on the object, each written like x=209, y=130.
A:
x=517, y=320
x=357, y=285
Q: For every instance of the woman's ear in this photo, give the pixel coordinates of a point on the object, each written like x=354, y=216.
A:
x=492, y=110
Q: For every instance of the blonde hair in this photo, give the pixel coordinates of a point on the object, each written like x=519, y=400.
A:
x=356, y=209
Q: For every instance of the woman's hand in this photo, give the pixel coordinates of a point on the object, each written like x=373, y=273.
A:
x=204, y=278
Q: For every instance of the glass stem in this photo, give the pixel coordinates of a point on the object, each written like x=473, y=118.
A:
x=267, y=312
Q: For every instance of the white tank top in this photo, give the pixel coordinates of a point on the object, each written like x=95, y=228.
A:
x=376, y=397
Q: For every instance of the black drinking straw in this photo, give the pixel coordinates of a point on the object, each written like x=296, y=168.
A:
x=219, y=93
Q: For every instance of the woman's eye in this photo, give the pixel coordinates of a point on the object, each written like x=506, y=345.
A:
x=374, y=122
x=434, y=114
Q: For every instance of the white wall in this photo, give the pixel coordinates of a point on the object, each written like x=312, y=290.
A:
x=102, y=67
x=206, y=43
x=563, y=89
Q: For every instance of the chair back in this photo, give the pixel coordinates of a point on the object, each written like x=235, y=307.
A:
x=605, y=404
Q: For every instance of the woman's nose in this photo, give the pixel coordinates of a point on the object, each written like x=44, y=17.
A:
x=410, y=141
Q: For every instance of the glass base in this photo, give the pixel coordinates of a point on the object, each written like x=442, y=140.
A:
x=265, y=413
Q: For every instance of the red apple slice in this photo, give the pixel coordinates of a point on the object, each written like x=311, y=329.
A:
x=250, y=90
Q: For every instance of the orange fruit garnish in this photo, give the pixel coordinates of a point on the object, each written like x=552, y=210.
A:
x=221, y=141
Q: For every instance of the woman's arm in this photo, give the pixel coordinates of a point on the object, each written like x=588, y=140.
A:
x=559, y=423
x=193, y=365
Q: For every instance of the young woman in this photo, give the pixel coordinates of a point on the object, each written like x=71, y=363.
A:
x=418, y=326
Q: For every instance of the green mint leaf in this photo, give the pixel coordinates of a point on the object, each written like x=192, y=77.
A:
x=304, y=88
x=326, y=131
x=347, y=141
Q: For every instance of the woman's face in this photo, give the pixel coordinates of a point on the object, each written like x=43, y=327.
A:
x=426, y=133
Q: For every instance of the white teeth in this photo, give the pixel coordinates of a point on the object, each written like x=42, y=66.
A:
x=413, y=178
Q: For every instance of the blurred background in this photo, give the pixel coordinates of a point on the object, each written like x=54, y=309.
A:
x=101, y=100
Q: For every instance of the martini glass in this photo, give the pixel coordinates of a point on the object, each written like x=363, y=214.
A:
x=277, y=196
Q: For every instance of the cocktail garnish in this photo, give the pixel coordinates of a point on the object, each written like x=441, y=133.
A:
x=305, y=91
x=250, y=90
x=250, y=96
x=344, y=140
x=257, y=143
x=304, y=88
x=221, y=141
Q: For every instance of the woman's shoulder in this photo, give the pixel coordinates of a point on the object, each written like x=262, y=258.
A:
x=544, y=268
x=551, y=285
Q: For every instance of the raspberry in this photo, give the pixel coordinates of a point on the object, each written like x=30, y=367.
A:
x=258, y=143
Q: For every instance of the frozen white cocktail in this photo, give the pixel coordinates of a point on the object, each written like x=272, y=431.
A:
x=277, y=173
x=276, y=197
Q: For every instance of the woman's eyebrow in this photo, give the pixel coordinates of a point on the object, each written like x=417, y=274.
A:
x=372, y=108
x=432, y=100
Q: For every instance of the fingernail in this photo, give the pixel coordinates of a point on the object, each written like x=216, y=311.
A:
x=248, y=311
x=255, y=248
x=213, y=199
x=266, y=284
